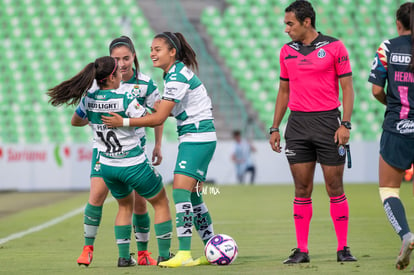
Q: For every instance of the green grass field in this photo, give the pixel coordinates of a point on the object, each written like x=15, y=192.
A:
x=259, y=218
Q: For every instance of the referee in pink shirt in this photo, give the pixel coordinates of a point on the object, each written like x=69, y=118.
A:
x=312, y=66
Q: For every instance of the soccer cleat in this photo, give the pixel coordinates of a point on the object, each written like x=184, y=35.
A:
x=297, y=257
x=144, y=258
x=163, y=259
x=345, y=255
x=182, y=258
x=199, y=261
x=403, y=259
x=86, y=257
x=123, y=262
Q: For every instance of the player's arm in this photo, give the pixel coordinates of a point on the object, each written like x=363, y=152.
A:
x=342, y=134
x=78, y=121
x=281, y=104
x=151, y=120
x=379, y=93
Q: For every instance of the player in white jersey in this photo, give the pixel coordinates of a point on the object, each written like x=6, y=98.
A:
x=185, y=98
x=123, y=50
x=123, y=163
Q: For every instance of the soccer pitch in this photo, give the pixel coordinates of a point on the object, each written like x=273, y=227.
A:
x=259, y=218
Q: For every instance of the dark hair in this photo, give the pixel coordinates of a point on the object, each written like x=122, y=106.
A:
x=184, y=51
x=302, y=10
x=125, y=41
x=71, y=91
x=236, y=133
x=405, y=14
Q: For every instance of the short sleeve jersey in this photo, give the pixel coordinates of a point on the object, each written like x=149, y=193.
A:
x=193, y=108
x=313, y=72
x=118, y=146
x=391, y=66
x=146, y=93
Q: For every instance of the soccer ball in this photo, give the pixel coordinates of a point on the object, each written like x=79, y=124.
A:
x=221, y=249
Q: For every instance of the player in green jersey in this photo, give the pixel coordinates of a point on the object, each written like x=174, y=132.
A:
x=185, y=98
x=123, y=50
x=123, y=164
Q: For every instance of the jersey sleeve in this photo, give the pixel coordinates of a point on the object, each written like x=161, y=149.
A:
x=342, y=63
x=175, y=90
x=80, y=110
x=152, y=96
x=283, y=69
x=379, y=67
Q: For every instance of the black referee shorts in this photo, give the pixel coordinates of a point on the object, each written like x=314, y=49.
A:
x=310, y=137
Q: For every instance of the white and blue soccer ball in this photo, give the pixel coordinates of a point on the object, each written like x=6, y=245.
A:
x=221, y=249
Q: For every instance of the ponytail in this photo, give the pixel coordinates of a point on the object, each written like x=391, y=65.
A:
x=71, y=91
x=184, y=52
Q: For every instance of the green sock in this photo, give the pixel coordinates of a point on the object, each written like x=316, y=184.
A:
x=91, y=221
x=141, y=229
x=184, y=217
x=123, y=239
x=163, y=231
x=202, y=218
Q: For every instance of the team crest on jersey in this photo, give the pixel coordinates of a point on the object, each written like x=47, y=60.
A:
x=321, y=53
x=136, y=91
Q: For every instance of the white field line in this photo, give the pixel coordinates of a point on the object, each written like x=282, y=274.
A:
x=46, y=224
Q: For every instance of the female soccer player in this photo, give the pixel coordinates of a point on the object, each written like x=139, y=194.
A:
x=123, y=163
x=186, y=98
x=123, y=50
x=394, y=63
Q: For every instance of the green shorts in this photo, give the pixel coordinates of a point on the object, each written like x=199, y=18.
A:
x=95, y=165
x=193, y=159
x=142, y=178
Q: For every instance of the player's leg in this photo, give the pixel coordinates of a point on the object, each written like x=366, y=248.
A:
x=202, y=220
x=142, y=225
x=123, y=230
x=182, y=187
x=162, y=224
x=396, y=154
x=93, y=211
x=115, y=179
x=302, y=209
x=191, y=167
x=148, y=184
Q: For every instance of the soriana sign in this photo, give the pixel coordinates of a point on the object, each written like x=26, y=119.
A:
x=45, y=167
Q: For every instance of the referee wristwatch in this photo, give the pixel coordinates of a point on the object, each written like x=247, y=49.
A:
x=347, y=124
x=273, y=129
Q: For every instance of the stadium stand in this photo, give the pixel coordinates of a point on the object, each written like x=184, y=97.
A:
x=249, y=35
x=45, y=42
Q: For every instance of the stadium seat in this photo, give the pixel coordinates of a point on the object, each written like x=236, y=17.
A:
x=255, y=29
x=45, y=42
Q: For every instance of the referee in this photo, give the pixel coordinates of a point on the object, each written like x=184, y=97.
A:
x=312, y=66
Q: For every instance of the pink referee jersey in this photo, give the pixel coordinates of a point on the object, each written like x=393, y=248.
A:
x=313, y=72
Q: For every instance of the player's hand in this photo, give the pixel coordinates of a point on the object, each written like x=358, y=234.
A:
x=275, y=142
x=112, y=121
x=342, y=135
x=156, y=156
